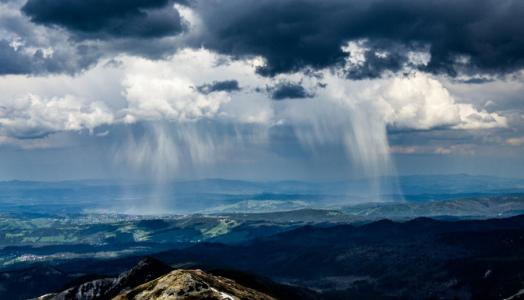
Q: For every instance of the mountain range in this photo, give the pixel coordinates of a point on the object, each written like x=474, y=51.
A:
x=421, y=258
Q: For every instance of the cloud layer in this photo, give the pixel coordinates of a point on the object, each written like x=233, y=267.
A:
x=187, y=87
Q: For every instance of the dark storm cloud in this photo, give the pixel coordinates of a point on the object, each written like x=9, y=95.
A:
x=219, y=86
x=288, y=90
x=104, y=19
x=462, y=36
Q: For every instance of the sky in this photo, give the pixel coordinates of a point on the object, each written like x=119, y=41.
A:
x=260, y=89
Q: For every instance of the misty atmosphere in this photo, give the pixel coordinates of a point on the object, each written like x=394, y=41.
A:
x=261, y=149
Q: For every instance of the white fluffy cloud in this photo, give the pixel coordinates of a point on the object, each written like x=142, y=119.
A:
x=169, y=98
x=417, y=101
x=422, y=102
x=34, y=116
x=167, y=90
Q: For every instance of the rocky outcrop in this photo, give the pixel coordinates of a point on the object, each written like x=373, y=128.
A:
x=192, y=284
